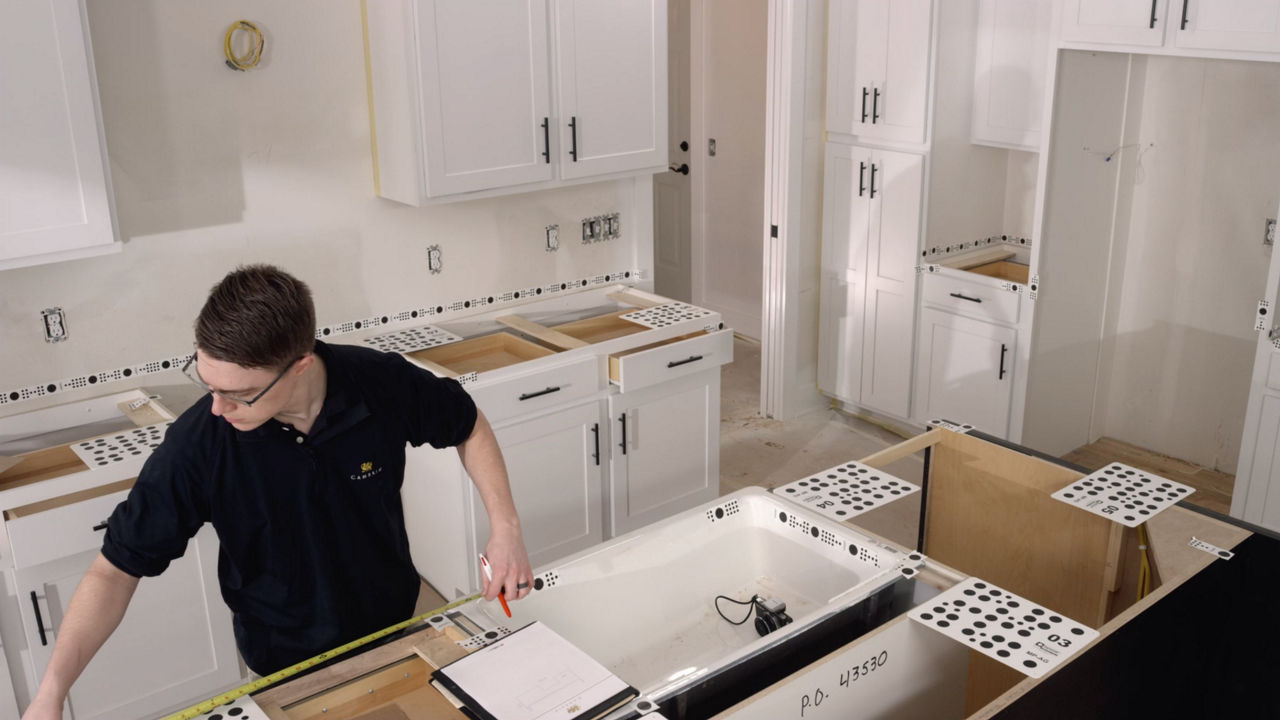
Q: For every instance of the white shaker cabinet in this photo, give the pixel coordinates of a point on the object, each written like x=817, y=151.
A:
x=1192, y=25
x=55, y=196
x=871, y=232
x=464, y=100
x=878, y=60
x=175, y=639
x=1011, y=58
x=553, y=463
x=612, y=80
x=966, y=370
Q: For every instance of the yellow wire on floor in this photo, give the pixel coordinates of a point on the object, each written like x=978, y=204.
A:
x=254, y=54
x=1144, y=563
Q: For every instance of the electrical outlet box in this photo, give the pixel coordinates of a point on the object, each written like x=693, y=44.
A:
x=553, y=238
x=1269, y=237
x=435, y=263
x=597, y=228
x=55, y=325
x=587, y=237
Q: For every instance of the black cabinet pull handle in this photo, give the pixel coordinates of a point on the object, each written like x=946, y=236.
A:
x=962, y=296
x=873, y=181
x=100, y=526
x=1003, y=349
x=573, y=138
x=595, y=430
x=875, y=106
x=1184, y=15
x=683, y=169
x=686, y=361
x=864, y=104
x=540, y=393
x=862, y=171
x=546, y=140
x=623, y=444
x=1153, y=14
x=35, y=603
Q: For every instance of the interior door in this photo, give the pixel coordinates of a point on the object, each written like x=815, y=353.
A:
x=728, y=104
x=673, y=271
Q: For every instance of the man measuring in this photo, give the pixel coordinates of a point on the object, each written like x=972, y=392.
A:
x=296, y=456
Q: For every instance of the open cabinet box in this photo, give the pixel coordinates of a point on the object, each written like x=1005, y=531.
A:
x=986, y=514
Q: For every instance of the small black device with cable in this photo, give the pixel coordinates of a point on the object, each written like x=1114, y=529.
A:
x=770, y=613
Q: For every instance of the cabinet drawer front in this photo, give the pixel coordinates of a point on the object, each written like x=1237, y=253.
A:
x=639, y=368
x=972, y=299
x=538, y=390
x=61, y=531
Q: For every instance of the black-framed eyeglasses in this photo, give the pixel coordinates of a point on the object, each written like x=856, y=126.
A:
x=194, y=376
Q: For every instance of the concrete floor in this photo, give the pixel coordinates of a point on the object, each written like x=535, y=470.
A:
x=758, y=451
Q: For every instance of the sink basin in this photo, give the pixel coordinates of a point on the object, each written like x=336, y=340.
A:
x=1003, y=269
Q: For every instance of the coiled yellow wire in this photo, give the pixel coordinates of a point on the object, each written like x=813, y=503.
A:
x=253, y=56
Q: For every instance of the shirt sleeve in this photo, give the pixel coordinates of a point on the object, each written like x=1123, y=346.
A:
x=437, y=410
x=165, y=508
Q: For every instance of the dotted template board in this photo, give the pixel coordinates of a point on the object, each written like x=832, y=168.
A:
x=1010, y=629
x=665, y=314
x=119, y=447
x=1124, y=494
x=242, y=708
x=846, y=490
x=411, y=340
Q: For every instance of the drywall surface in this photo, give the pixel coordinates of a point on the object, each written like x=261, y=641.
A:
x=213, y=168
x=1179, y=344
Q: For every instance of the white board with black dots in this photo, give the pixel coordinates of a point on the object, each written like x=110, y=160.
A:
x=1010, y=629
x=1124, y=494
x=846, y=490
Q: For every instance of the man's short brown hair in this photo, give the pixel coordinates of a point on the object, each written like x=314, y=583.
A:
x=258, y=316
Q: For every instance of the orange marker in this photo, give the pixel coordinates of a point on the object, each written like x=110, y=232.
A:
x=488, y=574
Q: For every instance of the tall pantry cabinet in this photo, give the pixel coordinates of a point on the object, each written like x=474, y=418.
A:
x=879, y=58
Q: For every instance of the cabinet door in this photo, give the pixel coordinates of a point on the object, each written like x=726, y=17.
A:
x=846, y=221
x=553, y=462
x=665, y=454
x=878, y=68
x=54, y=196
x=895, y=185
x=1250, y=25
x=1125, y=22
x=612, y=64
x=174, y=645
x=1009, y=66
x=965, y=371
x=485, y=93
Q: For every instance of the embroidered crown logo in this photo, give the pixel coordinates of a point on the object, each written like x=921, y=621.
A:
x=366, y=466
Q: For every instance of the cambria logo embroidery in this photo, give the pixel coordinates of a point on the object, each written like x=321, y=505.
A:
x=367, y=470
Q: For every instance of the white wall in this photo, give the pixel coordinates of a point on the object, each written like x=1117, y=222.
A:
x=1179, y=341
x=966, y=181
x=212, y=168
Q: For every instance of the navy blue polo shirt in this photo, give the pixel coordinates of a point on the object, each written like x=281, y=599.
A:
x=313, y=546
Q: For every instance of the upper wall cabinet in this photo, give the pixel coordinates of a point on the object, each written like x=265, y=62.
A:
x=878, y=57
x=1009, y=67
x=55, y=198
x=1192, y=25
x=464, y=99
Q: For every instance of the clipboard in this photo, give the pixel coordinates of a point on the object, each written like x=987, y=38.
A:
x=534, y=674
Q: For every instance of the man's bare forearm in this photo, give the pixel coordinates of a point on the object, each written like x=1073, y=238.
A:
x=95, y=610
x=505, y=550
